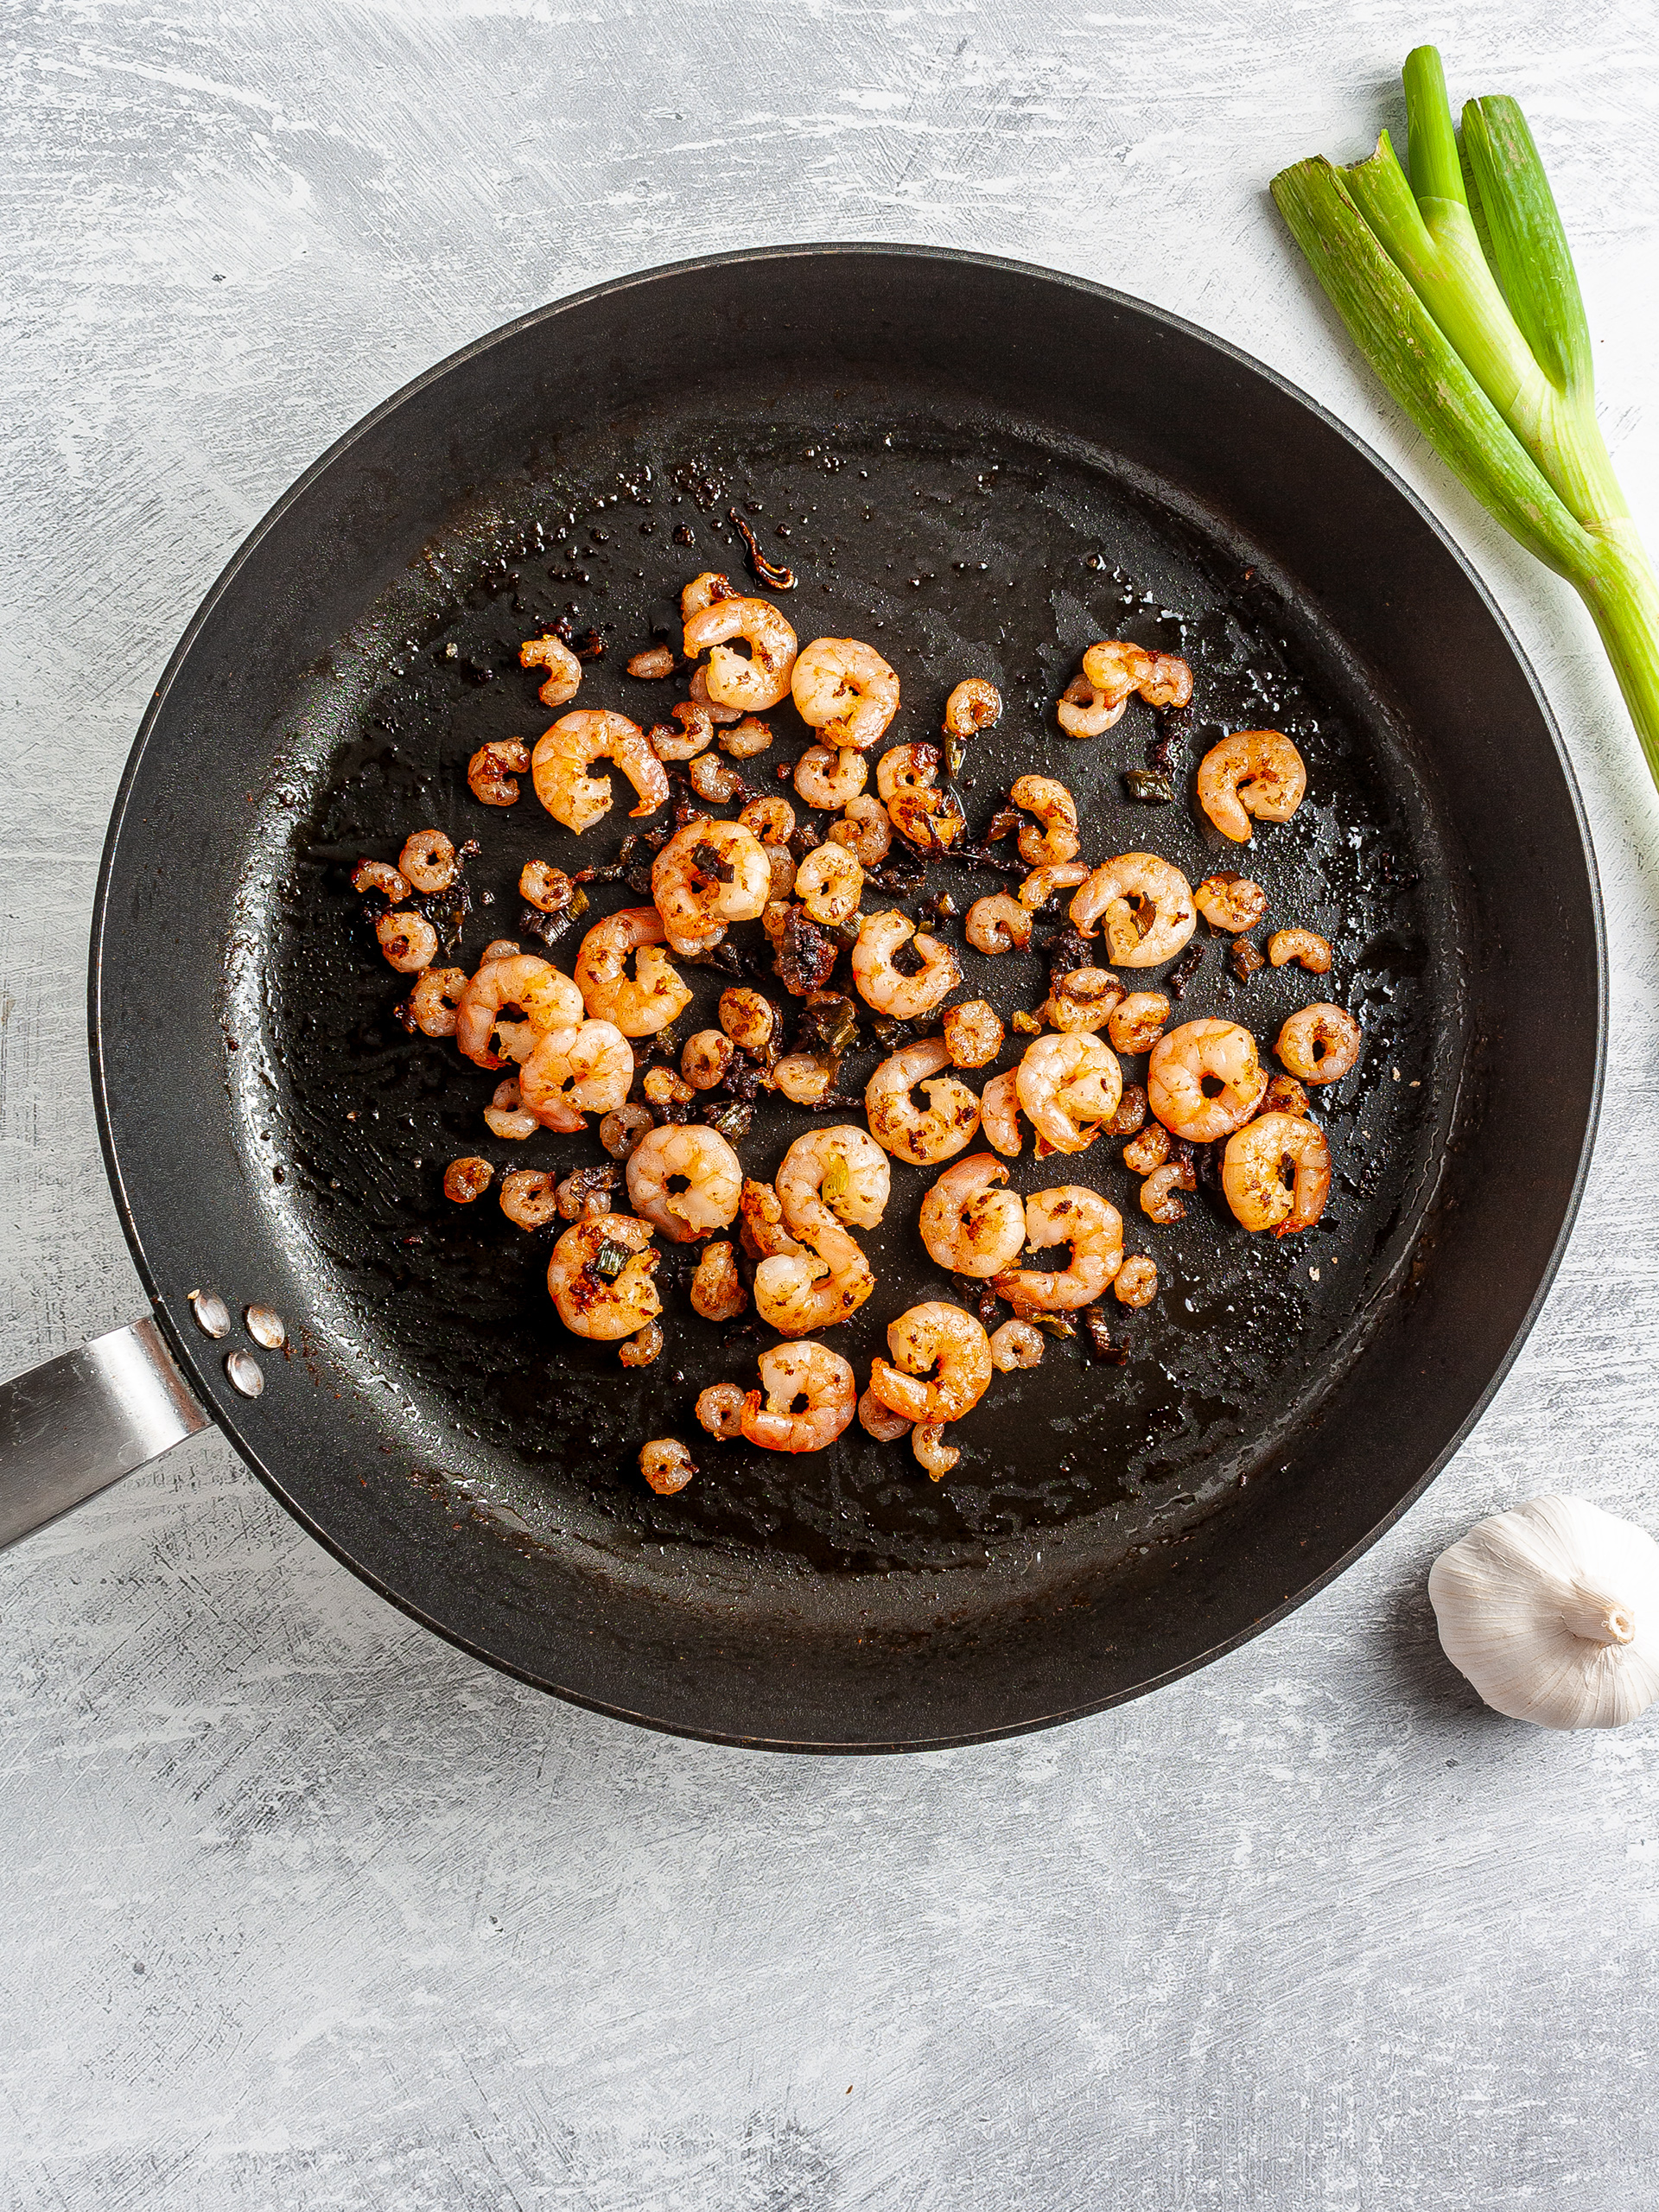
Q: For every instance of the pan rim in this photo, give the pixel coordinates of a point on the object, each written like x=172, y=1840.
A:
x=173, y=1325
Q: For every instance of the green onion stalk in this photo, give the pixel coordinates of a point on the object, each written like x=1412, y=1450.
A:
x=1456, y=283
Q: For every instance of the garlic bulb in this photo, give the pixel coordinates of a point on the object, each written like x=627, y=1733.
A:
x=1552, y=1611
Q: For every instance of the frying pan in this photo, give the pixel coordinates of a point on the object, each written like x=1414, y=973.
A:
x=980, y=467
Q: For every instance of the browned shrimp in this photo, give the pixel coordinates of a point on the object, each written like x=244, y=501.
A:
x=1254, y=772
x=1319, y=1043
x=492, y=772
x=1276, y=1173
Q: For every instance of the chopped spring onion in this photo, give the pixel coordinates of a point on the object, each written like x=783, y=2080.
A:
x=1458, y=286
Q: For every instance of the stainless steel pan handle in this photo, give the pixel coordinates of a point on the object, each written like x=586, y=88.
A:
x=71, y=1428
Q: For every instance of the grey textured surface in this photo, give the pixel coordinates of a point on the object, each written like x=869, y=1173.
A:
x=303, y=1909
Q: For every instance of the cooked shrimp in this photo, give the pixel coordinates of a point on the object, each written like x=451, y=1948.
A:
x=380, y=876
x=408, y=940
x=1112, y=671
x=1056, y=810
x=705, y=1058
x=1146, y=904
x=1068, y=1086
x=828, y=778
x=585, y=1190
x=708, y=874
x=528, y=1198
x=745, y=738
x=771, y=819
x=653, y=664
x=880, y=1422
x=550, y=890
x=1117, y=669
x=600, y=1277
x=1231, y=901
x=763, y=1230
x=1305, y=946
x=467, y=1179
x=1131, y=1111
x=909, y=1133
x=998, y=923
x=684, y=1179
x=1083, y=999
x=828, y=1177
x=973, y=1034
x=969, y=1226
x=499, y=948
x=507, y=1117
x=564, y=754
x=586, y=1069
x=829, y=884
x=1205, y=1080
x=789, y=1372
x=1137, y=1022
x=1158, y=1199
x=906, y=777
x=1319, y=1043
x=1136, y=1280
x=492, y=772
x=972, y=706
x=844, y=688
x=940, y=1365
x=653, y=996
x=999, y=1113
x=717, y=1291
x=723, y=716
x=622, y=1128
x=1040, y=886
x=703, y=590
x=752, y=684
x=1254, y=772
x=932, y=1452
x=1072, y=1214
x=666, y=1464
x=563, y=669
x=511, y=1004
x=433, y=1002
x=1284, y=1095
x=645, y=1345
x=693, y=736
x=882, y=985
x=1016, y=1343
x=720, y=1409
x=865, y=829
x=428, y=860
x=805, y=1079
x=1149, y=1150
x=749, y=1019
x=662, y=1087
x=1276, y=1173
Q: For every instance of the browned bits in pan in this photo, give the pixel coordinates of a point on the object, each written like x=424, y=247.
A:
x=1303, y=945
x=1098, y=1335
x=773, y=574
x=493, y=770
x=1247, y=960
x=467, y=1179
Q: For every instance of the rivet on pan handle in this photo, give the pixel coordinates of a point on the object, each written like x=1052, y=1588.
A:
x=71, y=1428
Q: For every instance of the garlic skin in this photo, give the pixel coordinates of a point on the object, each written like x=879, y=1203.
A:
x=1552, y=1611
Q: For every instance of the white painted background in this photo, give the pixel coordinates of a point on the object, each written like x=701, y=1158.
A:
x=301, y=1908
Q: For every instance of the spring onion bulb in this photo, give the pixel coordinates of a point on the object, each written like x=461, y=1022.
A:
x=1456, y=283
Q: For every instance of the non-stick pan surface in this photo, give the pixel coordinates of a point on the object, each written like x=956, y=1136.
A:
x=981, y=468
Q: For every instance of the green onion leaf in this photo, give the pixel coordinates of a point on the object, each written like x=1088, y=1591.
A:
x=1530, y=248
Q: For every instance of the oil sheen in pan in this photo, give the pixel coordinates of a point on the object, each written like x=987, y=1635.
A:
x=976, y=551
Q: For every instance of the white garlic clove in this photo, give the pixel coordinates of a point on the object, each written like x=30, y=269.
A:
x=1552, y=1611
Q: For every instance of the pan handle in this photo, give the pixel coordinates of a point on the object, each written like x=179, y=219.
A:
x=71, y=1428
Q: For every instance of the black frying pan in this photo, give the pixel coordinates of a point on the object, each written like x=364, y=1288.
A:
x=981, y=467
